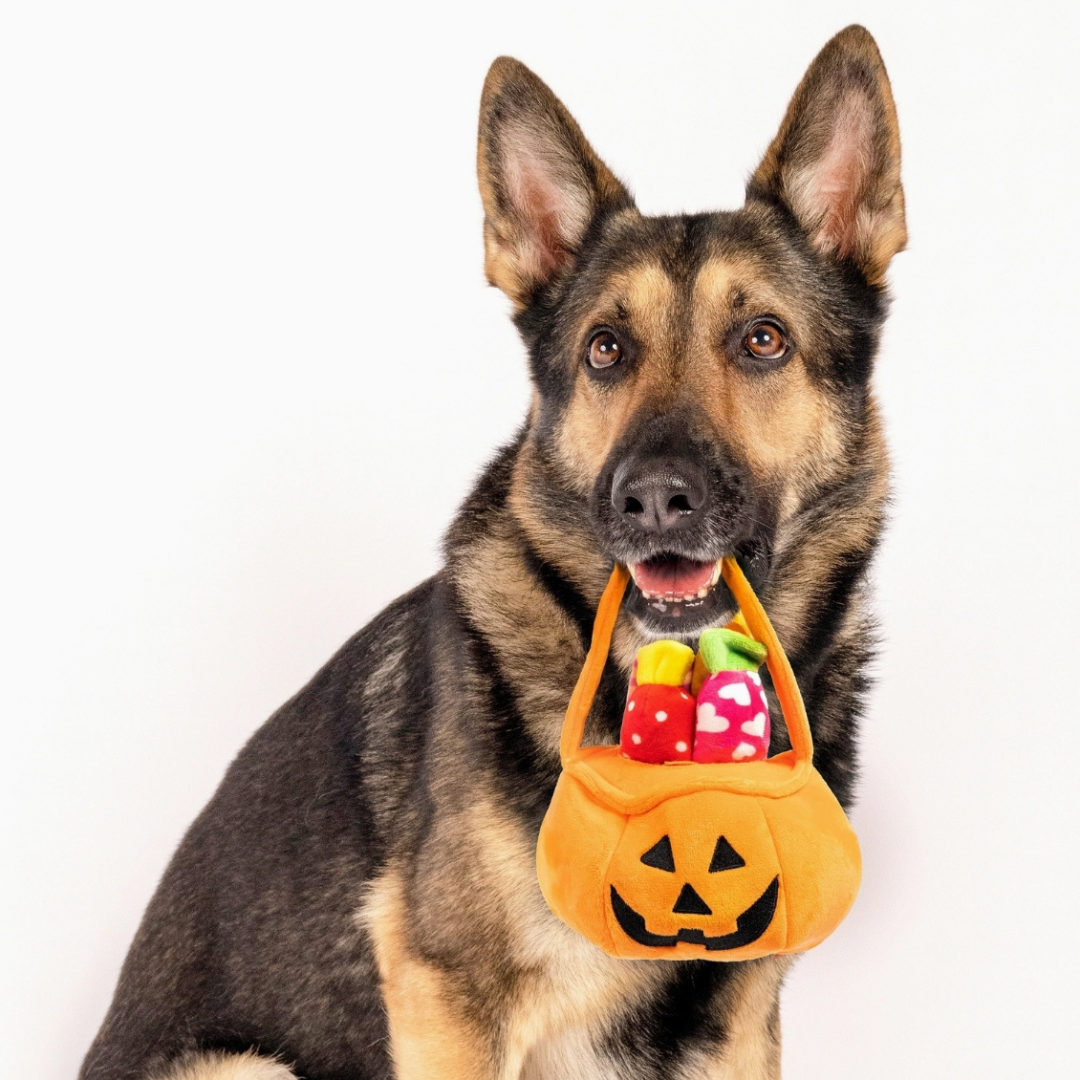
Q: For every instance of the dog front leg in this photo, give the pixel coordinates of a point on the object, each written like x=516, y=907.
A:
x=433, y=1032
x=749, y=1011
x=214, y=1065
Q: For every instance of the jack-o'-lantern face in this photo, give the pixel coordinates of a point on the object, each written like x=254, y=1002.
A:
x=682, y=875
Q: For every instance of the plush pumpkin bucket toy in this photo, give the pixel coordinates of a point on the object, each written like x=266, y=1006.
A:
x=681, y=861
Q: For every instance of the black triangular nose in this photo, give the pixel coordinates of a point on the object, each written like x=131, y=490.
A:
x=689, y=903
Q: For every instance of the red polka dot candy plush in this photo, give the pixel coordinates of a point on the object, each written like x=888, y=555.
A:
x=732, y=713
x=658, y=724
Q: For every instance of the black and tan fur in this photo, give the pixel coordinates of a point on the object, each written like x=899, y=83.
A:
x=359, y=899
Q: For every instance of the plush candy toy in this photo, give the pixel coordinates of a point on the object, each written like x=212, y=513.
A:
x=732, y=713
x=658, y=724
x=762, y=849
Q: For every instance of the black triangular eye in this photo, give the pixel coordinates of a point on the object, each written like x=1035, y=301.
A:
x=660, y=856
x=724, y=857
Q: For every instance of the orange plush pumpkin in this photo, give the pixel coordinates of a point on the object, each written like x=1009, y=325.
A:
x=681, y=861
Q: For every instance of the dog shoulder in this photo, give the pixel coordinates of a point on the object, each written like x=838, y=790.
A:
x=258, y=900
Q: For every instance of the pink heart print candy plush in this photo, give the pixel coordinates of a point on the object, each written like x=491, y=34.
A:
x=658, y=724
x=732, y=713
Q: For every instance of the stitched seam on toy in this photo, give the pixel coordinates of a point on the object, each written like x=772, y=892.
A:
x=783, y=881
x=616, y=799
x=605, y=899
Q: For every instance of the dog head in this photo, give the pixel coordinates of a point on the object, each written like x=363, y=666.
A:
x=699, y=379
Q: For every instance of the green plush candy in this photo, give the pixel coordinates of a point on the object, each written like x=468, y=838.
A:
x=728, y=650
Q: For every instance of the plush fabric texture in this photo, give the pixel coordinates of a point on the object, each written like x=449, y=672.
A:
x=732, y=718
x=666, y=662
x=728, y=649
x=701, y=671
x=687, y=861
x=658, y=724
x=732, y=712
x=698, y=675
x=803, y=841
x=732, y=715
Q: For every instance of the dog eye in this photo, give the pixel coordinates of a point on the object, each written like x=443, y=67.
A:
x=766, y=341
x=604, y=350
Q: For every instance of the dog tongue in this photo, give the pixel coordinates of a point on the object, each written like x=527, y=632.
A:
x=678, y=577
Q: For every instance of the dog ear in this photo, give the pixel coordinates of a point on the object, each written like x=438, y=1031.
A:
x=835, y=163
x=541, y=183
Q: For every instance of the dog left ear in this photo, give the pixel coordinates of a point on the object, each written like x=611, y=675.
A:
x=835, y=163
x=542, y=184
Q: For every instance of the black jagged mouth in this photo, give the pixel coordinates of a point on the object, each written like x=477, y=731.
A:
x=749, y=926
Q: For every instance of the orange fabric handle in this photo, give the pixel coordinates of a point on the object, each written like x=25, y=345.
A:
x=787, y=690
x=577, y=712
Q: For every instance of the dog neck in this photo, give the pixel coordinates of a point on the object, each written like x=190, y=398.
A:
x=527, y=571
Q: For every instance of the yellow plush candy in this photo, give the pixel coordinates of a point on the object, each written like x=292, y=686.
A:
x=666, y=662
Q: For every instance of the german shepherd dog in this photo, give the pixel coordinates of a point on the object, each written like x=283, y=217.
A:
x=359, y=899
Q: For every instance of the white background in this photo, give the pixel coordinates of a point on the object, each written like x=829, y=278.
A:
x=250, y=366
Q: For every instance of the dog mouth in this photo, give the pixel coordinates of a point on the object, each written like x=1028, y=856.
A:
x=676, y=595
x=675, y=580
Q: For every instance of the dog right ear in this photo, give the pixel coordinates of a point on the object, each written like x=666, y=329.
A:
x=835, y=162
x=541, y=182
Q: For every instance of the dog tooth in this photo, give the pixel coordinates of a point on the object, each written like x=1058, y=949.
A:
x=702, y=593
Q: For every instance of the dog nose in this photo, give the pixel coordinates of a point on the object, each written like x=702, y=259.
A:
x=659, y=496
